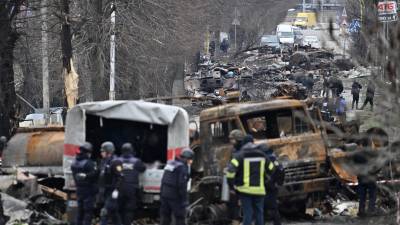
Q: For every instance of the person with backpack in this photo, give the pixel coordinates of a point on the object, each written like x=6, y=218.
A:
x=276, y=179
x=355, y=91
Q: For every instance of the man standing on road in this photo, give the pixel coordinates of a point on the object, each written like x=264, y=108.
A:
x=367, y=184
x=127, y=169
x=355, y=91
x=109, y=205
x=85, y=173
x=174, y=199
x=236, y=138
x=308, y=82
x=341, y=108
x=276, y=179
x=246, y=172
x=369, y=96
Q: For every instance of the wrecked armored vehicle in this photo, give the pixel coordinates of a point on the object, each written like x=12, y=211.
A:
x=286, y=127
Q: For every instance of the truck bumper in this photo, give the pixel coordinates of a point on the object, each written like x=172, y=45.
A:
x=303, y=188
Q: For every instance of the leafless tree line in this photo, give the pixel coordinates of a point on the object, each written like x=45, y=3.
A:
x=154, y=40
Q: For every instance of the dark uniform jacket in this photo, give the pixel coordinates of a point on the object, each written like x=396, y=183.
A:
x=174, y=181
x=84, y=165
x=106, y=176
x=126, y=173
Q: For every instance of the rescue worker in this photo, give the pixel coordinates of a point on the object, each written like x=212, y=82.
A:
x=236, y=139
x=355, y=91
x=276, y=179
x=248, y=181
x=109, y=205
x=369, y=96
x=126, y=182
x=174, y=199
x=85, y=174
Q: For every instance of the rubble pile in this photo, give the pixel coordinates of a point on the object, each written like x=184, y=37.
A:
x=27, y=201
x=261, y=73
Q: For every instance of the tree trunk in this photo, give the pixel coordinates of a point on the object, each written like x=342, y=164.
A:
x=8, y=38
x=70, y=76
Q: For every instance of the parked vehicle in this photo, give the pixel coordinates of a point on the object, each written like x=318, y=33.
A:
x=305, y=20
x=285, y=34
x=271, y=41
x=158, y=133
x=311, y=41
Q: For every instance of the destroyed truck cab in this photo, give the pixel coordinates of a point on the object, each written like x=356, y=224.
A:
x=285, y=126
x=158, y=133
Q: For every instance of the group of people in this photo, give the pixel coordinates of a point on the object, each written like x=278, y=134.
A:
x=369, y=95
x=254, y=175
x=114, y=186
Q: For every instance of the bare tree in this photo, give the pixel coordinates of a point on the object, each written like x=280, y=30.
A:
x=8, y=38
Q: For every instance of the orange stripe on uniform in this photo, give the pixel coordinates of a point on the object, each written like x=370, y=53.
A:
x=173, y=153
x=70, y=150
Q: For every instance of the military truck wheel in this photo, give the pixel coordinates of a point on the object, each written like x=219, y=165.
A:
x=195, y=215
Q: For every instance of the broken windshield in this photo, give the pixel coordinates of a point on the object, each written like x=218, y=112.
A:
x=276, y=124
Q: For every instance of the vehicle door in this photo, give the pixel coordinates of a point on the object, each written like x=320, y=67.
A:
x=215, y=146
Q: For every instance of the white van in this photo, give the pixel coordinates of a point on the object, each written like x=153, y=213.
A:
x=285, y=34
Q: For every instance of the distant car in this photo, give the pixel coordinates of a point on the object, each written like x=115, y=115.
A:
x=271, y=41
x=311, y=41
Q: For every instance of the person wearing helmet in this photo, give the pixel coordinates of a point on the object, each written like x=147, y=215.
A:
x=126, y=170
x=236, y=138
x=85, y=174
x=249, y=182
x=174, y=182
x=108, y=205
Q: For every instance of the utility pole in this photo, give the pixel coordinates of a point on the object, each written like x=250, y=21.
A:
x=236, y=23
x=45, y=61
x=304, y=5
x=236, y=17
x=112, y=53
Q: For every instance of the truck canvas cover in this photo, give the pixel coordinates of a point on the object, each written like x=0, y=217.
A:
x=139, y=111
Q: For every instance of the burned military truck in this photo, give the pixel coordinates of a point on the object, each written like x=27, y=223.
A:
x=286, y=127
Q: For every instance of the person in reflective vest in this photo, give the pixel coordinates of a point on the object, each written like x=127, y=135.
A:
x=126, y=172
x=85, y=174
x=246, y=173
x=174, y=199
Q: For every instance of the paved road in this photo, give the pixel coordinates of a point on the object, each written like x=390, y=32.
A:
x=327, y=42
